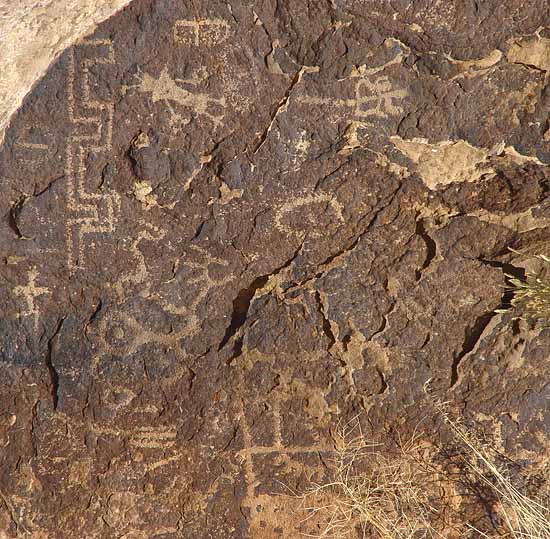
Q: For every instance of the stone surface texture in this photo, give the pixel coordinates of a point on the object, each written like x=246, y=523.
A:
x=227, y=226
x=33, y=33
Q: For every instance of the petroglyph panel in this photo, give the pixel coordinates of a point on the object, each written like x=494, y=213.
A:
x=226, y=227
x=372, y=99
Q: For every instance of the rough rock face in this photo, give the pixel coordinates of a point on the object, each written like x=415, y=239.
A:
x=33, y=33
x=226, y=226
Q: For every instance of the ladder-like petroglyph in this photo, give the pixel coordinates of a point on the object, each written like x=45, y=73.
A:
x=89, y=212
x=257, y=455
x=154, y=450
x=31, y=153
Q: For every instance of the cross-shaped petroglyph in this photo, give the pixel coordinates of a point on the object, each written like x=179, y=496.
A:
x=30, y=292
x=89, y=212
x=254, y=456
x=167, y=89
x=205, y=32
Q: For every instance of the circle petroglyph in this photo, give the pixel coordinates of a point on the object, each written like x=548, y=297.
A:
x=228, y=227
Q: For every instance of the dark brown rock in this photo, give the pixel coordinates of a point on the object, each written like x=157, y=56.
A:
x=227, y=226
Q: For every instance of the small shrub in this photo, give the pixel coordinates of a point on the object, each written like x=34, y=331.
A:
x=531, y=297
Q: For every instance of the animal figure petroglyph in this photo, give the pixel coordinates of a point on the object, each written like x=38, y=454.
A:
x=168, y=90
x=202, y=280
x=119, y=332
x=300, y=202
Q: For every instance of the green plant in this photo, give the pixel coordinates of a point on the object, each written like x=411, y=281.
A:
x=531, y=296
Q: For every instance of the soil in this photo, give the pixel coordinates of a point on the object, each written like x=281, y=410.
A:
x=227, y=227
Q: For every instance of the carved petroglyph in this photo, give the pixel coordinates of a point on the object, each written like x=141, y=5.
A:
x=201, y=277
x=296, y=147
x=153, y=448
x=374, y=98
x=30, y=292
x=300, y=147
x=377, y=99
x=256, y=454
x=300, y=202
x=88, y=212
x=31, y=152
x=33, y=146
x=155, y=445
x=201, y=32
x=148, y=437
x=259, y=502
x=153, y=438
x=119, y=332
x=139, y=276
x=169, y=91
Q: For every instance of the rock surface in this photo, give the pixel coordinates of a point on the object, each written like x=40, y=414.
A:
x=33, y=33
x=226, y=226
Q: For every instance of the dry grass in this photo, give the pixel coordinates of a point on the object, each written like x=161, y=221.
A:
x=373, y=494
x=523, y=517
x=378, y=495
x=532, y=295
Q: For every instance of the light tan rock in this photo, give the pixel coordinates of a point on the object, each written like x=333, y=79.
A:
x=33, y=33
x=531, y=51
x=455, y=161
